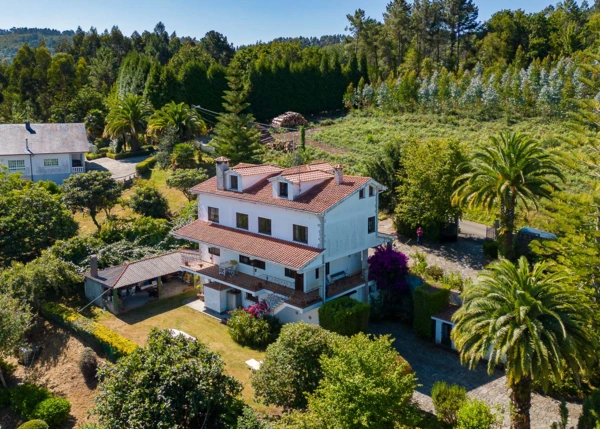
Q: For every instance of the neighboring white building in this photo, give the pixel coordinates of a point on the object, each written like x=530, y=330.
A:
x=44, y=151
x=294, y=237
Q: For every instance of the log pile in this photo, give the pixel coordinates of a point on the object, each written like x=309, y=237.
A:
x=285, y=146
x=289, y=120
x=265, y=135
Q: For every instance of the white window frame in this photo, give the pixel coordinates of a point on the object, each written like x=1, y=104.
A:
x=51, y=162
x=17, y=164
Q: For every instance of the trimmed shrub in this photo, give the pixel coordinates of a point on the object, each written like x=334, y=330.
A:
x=113, y=344
x=428, y=300
x=434, y=273
x=590, y=416
x=54, y=411
x=345, y=316
x=249, y=330
x=475, y=414
x=90, y=156
x=124, y=155
x=145, y=166
x=447, y=400
x=88, y=364
x=34, y=424
x=26, y=397
x=490, y=249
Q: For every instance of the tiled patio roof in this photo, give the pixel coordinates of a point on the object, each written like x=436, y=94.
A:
x=446, y=314
x=286, y=253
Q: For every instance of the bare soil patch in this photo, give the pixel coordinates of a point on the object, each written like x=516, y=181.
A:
x=57, y=369
x=295, y=136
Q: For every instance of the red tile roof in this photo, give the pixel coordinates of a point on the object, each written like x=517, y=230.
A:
x=282, y=252
x=317, y=199
x=308, y=176
x=252, y=169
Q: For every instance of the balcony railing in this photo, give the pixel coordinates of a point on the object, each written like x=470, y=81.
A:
x=76, y=170
x=276, y=280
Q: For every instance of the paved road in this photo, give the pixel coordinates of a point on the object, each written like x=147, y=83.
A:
x=118, y=168
x=432, y=363
x=471, y=229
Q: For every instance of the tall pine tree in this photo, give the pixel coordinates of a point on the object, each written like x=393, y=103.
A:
x=236, y=137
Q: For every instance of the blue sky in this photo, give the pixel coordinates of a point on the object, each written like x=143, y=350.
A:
x=241, y=21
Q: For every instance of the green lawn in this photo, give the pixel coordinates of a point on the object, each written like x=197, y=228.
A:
x=170, y=313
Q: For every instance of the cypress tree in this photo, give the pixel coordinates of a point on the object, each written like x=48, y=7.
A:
x=235, y=135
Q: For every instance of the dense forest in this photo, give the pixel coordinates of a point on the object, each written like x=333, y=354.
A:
x=416, y=52
x=11, y=40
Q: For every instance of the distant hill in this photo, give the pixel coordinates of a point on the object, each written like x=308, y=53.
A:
x=11, y=40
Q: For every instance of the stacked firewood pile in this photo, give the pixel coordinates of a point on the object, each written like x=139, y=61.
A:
x=284, y=146
x=265, y=135
x=289, y=120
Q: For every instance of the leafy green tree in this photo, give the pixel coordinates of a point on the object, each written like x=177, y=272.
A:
x=15, y=320
x=365, y=384
x=218, y=47
x=183, y=156
x=147, y=200
x=31, y=219
x=384, y=169
x=171, y=382
x=513, y=169
x=182, y=118
x=128, y=119
x=40, y=279
x=235, y=135
x=61, y=83
x=91, y=193
x=426, y=185
x=184, y=179
x=447, y=400
x=530, y=320
x=291, y=367
x=94, y=123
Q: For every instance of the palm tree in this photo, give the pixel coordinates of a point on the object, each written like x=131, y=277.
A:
x=513, y=169
x=128, y=118
x=186, y=121
x=530, y=320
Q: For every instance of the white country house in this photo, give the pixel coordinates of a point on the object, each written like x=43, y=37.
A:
x=294, y=237
x=44, y=151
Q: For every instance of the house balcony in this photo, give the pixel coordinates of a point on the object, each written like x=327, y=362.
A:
x=247, y=283
x=77, y=167
x=344, y=285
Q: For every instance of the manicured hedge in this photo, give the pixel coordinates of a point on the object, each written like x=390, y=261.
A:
x=124, y=155
x=345, y=315
x=54, y=411
x=145, y=166
x=34, y=424
x=428, y=300
x=90, y=156
x=113, y=344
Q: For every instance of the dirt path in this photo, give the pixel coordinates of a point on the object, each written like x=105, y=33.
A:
x=56, y=368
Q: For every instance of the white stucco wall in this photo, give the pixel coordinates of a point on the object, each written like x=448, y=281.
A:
x=40, y=172
x=289, y=315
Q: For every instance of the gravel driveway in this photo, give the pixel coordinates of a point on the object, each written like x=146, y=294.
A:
x=432, y=363
x=118, y=168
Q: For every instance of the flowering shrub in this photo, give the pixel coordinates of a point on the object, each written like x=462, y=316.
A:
x=388, y=268
x=259, y=309
x=253, y=326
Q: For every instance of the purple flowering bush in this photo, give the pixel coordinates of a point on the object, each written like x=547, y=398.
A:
x=389, y=268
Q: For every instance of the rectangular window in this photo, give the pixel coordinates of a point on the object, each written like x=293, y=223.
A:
x=317, y=273
x=361, y=193
x=233, y=182
x=371, y=224
x=245, y=260
x=290, y=273
x=213, y=214
x=327, y=269
x=241, y=220
x=301, y=233
x=214, y=251
x=51, y=162
x=283, y=189
x=16, y=164
x=371, y=191
x=264, y=226
x=257, y=263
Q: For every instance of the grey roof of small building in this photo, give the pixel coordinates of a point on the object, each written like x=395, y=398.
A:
x=135, y=272
x=43, y=139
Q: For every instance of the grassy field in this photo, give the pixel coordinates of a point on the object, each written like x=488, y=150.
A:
x=170, y=313
x=177, y=201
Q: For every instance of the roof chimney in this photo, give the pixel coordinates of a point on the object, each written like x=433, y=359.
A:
x=222, y=164
x=338, y=173
x=94, y=265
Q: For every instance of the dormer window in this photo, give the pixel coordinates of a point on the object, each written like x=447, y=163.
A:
x=283, y=189
x=233, y=183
